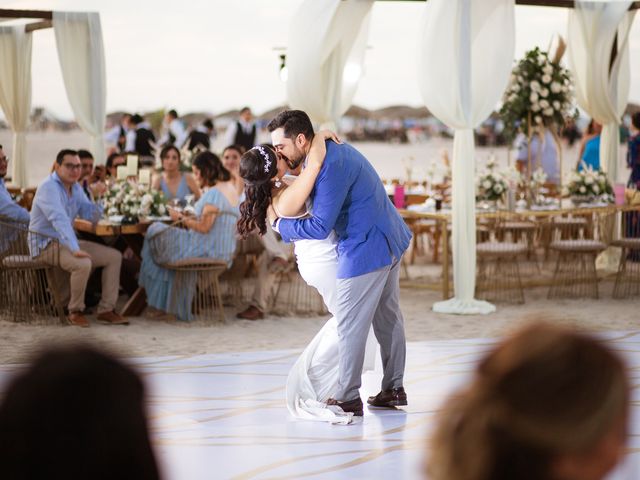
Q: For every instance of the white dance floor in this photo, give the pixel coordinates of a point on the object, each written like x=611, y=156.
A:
x=223, y=416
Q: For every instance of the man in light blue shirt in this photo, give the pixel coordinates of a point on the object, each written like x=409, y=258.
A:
x=58, y=201
x=8, y=208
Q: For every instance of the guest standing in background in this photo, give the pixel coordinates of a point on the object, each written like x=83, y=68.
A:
x=140, y=139
x=175, y=185
x=543, y=154
x=202, y=136
x=117, y=136
x=243, y=131
x=633, y=152
x=590, y=148
x=175, y=132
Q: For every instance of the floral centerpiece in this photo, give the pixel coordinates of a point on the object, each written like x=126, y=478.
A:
x=133, y=201
x=491, y=185
x=589, y=185
x=540, y=93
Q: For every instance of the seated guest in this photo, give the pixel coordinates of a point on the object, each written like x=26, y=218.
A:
x=231, y=161
x=545, y=404
x=175, y=185
x=201, y=136
x=75, y=413
x=8, y=208
x=92, y=187
x=208, y=234
x=114, y=161
x=58, y=201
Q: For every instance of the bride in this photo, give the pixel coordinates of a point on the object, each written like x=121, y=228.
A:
x=314, y=377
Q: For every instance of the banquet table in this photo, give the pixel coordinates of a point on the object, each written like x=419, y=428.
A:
x=442, y=229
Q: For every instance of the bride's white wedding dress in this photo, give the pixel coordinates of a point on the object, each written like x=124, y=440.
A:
x=314, y=377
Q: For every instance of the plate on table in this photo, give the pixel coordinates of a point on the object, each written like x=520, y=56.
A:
x=115, y=218
x=158, y=218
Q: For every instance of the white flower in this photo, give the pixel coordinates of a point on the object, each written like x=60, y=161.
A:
x=547, y=69
x=546, y=79
x=556, y=104
x=534, y=85
x=548, y=112
x=544, y=104
x=535, y=107
x=541, y=59
x=515, y=88
x=555, y=87
x=533, y=97
x=147, y=199
x=538, y=119
x=564, y=88
x=544, y=92
x=498, y=188
x=162, y=210
x=486, y=184
x=588, y=179
x=583, y=189
x=596, y=189
x=512, y=97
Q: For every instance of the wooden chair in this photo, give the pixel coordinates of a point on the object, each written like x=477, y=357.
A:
x=28, y=292
x=198, y=273
x=498, y=277
x=575, y=273
x=627, y=282
x=293, y=295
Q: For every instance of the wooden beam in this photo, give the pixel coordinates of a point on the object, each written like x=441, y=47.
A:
x=534, y=3
x=42, y=14
x=32, y=27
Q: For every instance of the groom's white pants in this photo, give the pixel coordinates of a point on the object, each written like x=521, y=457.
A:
x=373, y=297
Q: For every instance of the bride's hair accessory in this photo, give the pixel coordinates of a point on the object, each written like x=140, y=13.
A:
x=265, y=155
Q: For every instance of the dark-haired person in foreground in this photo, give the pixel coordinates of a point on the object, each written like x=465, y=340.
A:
x=210, y=233
x=545, y=404
x=58, y=202
x=349, y=198
x=75, y=414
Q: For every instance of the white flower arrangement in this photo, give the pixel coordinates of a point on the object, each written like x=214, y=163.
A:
x=541, y=88
x=491, y=185
x=133, y=201
x=588, y=185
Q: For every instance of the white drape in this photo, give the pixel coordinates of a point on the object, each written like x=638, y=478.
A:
x=601, y=91
x=81, y=54
x=327, y=42
x=15, y=94
x=466, y=54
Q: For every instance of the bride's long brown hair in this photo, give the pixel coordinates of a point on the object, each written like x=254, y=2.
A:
x=257, y=167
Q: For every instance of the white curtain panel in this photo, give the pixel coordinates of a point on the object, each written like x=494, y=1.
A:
x=466, y=54
x=15, y=94
x=601, y=91
x=325, y=55
x=81, y=54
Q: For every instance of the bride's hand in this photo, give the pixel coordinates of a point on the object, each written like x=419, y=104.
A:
x=328, y=135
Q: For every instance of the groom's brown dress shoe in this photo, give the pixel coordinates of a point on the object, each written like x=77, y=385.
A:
x=251, y=313
x=354, y=406
x=395, y=397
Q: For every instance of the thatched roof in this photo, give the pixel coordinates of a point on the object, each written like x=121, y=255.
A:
x=401, y=112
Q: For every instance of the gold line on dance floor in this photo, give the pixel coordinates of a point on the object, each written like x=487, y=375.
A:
x=224, y=416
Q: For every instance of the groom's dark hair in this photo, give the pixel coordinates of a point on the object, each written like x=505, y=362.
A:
x=293, y=122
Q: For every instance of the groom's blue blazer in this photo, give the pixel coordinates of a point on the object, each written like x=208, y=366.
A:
x=349, y=197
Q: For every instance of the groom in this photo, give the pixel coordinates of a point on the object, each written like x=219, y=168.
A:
x=349, y=197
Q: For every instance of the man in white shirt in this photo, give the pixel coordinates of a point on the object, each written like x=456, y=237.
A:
x=116, y=136
x=176, y=133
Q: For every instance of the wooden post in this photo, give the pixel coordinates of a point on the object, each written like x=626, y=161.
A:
x=556, y=138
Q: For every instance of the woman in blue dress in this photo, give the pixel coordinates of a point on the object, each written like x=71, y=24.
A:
x=210, y=233
x=175, y=185
x=590, y=149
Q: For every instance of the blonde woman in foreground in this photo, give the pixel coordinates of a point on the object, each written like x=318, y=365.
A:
x=546, y=404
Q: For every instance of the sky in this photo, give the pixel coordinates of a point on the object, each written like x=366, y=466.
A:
x=217, y=55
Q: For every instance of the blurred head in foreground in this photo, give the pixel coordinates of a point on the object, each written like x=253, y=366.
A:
x=75, y=413
x=545, y=404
